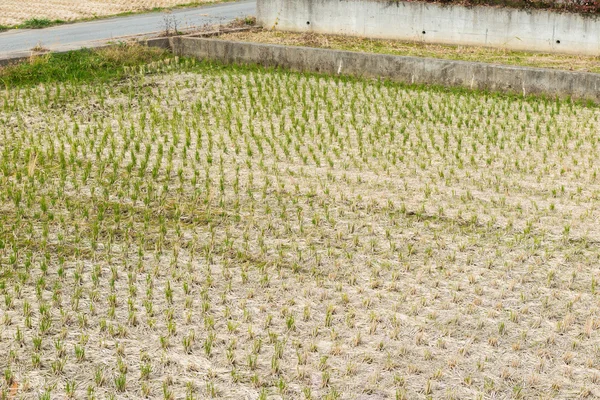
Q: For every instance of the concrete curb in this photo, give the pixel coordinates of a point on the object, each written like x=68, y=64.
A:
x=15, y=58
x=21, y=56
x=472, y=75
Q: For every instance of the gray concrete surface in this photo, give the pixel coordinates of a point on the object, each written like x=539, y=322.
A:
x=534, y=30
x=19, y=42
x=471, y=75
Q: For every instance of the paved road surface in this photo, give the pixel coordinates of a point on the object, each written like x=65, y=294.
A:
x=86, y=34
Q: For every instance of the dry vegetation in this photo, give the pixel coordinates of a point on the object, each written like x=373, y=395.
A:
x=416, y=49
x=232, y=233
x=15, y=12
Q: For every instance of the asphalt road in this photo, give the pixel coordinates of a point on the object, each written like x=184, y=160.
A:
x=88, y=34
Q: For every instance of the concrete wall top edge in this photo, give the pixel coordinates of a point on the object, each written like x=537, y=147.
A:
x=345, y=54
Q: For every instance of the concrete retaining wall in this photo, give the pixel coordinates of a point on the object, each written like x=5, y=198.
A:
x=403, y=69
x=537, y=30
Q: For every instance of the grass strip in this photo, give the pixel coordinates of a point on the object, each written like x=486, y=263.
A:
x=87, y=65
x=39, y=23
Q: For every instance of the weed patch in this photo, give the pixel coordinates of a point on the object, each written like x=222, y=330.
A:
x=39, y=23
x=80, y=66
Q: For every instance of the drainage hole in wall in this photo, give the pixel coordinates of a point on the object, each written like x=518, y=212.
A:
x=558, y=42
x=423, y=32
x=307, y=22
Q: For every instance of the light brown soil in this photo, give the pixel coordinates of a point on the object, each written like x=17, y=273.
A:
x=14, y=12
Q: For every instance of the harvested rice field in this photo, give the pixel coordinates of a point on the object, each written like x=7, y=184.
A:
x=200, y=231
x=15, y=12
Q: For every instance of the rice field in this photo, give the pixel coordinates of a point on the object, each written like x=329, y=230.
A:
x=199, y=231
x=15, y=12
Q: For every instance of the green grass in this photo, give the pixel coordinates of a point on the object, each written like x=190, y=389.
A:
x=39, y=23
x=80, y=66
